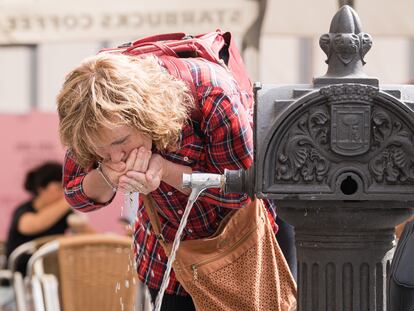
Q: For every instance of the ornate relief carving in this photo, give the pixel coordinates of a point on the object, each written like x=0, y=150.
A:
x=300, y=159
x=366, y=43
x=350, y=130
x=311, y=146
x=394, y=164
x=349, y=92
x=381, y=127
x=346, y=46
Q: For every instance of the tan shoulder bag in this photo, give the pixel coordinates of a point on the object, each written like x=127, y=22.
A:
x=240, y=267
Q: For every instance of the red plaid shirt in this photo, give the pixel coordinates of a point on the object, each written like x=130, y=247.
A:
x=223, y=140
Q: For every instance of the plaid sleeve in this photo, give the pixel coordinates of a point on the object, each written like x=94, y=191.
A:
x=73, y=176
x=229, y=138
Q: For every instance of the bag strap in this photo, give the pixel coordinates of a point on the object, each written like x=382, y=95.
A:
x=154, y=218
x=162, y=37
x=178, y=69
x=157, y=45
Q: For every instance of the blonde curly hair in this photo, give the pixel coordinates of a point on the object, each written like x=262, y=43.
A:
x=108, y=90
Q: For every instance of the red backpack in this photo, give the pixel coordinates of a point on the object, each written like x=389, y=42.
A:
x=217, y=47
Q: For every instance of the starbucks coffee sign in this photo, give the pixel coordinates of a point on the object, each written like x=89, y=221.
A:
x=29, y=21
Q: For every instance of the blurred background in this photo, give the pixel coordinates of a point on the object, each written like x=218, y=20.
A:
x=41, y=40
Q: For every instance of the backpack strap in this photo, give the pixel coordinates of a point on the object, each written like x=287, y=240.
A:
x=179, y=69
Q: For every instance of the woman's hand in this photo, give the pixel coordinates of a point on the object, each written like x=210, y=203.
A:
x=99, y=185
x=147, y=177
x=113, y=171
x=148, y=172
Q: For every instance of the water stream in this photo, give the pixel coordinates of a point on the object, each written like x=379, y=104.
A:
x=192, y=198
x=198, y=182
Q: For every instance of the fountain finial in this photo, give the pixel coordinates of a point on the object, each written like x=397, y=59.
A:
x=345, y=46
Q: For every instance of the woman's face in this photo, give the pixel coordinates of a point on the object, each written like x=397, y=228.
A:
x=117, y=143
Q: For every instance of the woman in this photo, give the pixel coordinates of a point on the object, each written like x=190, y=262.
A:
x=130, y=125
x=46, y=213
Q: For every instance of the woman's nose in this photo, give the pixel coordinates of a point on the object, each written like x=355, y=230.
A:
x=117, y=156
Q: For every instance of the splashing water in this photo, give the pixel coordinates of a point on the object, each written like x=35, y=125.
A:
x=131, y=201
x=176, y=244
x=121, y=303
x=130, y=207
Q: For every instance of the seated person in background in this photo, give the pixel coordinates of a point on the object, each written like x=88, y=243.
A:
x=46, y=213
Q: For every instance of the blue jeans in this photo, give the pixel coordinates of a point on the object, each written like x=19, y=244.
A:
x=286, y=239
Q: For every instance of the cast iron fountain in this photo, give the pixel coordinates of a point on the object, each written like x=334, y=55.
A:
x=337, y=156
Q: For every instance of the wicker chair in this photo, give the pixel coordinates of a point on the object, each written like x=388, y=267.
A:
x=96, y=273
x=21, y=290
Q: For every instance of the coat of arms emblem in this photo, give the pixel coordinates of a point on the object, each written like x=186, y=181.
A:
x=350, y=129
